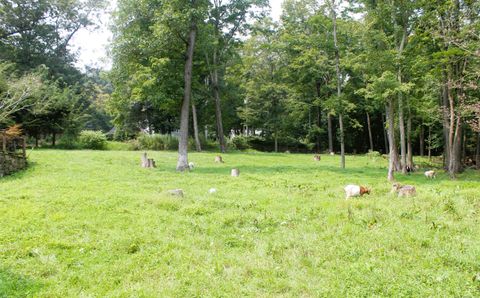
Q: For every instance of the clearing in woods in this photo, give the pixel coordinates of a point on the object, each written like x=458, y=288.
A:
x=96, y=224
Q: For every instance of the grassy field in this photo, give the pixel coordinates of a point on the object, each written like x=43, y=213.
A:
x=95, y=224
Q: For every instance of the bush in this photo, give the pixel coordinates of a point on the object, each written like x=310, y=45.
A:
x=373, y=155
x=90, y=139
x=157, y=142
x=239, y=143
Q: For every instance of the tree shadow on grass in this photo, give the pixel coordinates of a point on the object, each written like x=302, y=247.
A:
x=14, y=285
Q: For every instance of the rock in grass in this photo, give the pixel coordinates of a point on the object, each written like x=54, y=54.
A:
x=176, y=192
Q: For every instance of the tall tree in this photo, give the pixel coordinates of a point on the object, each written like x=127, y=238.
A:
x=333, y=8
x=226, y=18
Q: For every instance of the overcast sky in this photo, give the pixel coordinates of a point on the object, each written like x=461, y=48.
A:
x=91, y=45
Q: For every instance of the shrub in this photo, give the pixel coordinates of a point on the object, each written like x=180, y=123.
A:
x=157, y=142
x=90, y=139
x=373, y=155
x=239, y=143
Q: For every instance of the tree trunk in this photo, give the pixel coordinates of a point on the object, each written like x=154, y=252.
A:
x=330, y=133
x=319, y=116
x=339, y=83
x=455, y=133
x=391, y=140
x=400, y=45
x=445, y=122
x=464, y=144
x=429, y=143
x=36, y=141
x=422, y=141
x=477, y=153
x=182, y=163
x=455, y=165
x=369, y=132
x=342, y=142
x=401, y=124
x=54, y=139
x=319, y=123
x=276, y=141
x=218, y=108
x=409, y=141
x=385, y=139
x=144, y=160
x=198, y=145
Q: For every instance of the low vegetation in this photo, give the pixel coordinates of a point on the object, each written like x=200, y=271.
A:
x=96, y=224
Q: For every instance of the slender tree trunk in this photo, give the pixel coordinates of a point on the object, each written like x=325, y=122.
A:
x=429, y=143
x=218, y=107
x=391, y=140
x=370, y=138
x=445, y=122
x=342, y=142
x=409, y=141
x=330, y=133
x=182, y=163
x=198, y=145
x=477, y=153
x=276, y=141
x=319, y=116
x=36, y=141
x=396, y=160
x=339, y=84
x=54, y=139
x=385, y=138
x=400, y=45
x=422, y=141
x=401, y=125
x=319, y=123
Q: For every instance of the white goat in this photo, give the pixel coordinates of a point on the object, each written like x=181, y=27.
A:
x=355, y=191
x=430, y=174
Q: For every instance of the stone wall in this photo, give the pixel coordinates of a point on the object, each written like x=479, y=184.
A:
x=11, y=163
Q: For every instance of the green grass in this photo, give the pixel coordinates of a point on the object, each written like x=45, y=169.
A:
x=95, y=224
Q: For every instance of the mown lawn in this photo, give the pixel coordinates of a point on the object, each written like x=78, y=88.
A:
x=95, y=224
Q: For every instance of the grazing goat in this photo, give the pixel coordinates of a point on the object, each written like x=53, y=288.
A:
x=430, y=174
x=404, y=190
x=191, y=165
x=218, y=159
x=355, y=191
x=316, y=157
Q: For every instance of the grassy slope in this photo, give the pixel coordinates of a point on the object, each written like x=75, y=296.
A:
x=84, y=223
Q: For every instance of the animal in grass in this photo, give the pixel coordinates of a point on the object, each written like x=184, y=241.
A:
x=191, y=165
x=352, y=190
x=430, y=174
x=409, y=169
x=218, y=159
x=316, y=157
x=404, y=190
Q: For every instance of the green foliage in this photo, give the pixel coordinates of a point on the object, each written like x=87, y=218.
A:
x=373, y=155
x=239, y=143
x=157, y=142
x=90, y=139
